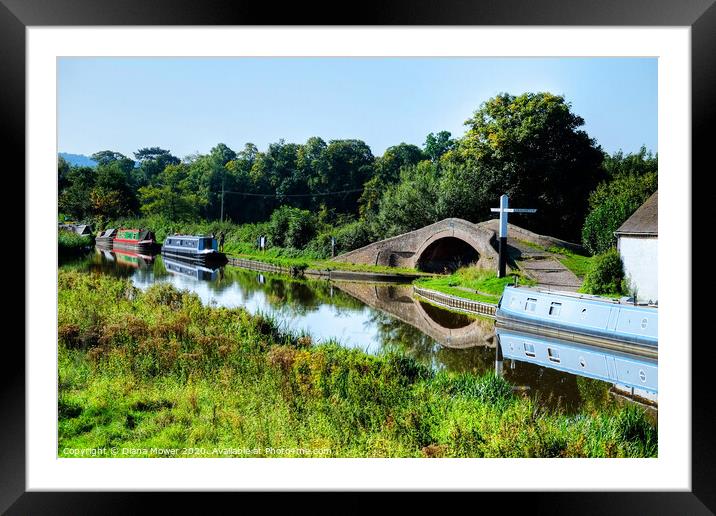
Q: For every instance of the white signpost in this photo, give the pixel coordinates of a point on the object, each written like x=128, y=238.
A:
x=504, y=209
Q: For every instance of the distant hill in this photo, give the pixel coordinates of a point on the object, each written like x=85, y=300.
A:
x=78, y=160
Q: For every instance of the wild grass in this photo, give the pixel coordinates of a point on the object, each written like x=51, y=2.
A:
x=69, y=242
x=157, y=370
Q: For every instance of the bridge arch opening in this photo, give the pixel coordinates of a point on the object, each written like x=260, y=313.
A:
x=447, y=254
x=446, y=319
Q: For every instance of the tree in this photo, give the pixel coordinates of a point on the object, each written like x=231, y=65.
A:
x=387, y=172
x=63, y=170
x=107, y=156
x=634, y=178
x=75, y=197
x=345, y=167
x=113, y=194
x=387, y=167
x=633, y=164
x=172, y=195
x=438, y=144
x=531, y=148
x=222, y=154
x=409, y=204
x=152, y=160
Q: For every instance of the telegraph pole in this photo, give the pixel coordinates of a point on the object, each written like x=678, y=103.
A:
x=223, y=179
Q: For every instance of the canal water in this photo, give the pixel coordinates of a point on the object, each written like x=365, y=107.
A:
x=372, y=317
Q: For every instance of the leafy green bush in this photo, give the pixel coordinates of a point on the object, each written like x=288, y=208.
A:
x=606, y=274
x=351, y=235
x=291, y=227
x=611, y=204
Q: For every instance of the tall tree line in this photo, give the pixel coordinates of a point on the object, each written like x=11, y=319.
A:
x=530, y=146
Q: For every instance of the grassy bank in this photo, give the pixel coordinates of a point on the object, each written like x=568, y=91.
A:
x=473, y=283
x=69, y=242
x=577, y=263
x=158, y=371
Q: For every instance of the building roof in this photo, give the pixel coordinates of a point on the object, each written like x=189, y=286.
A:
x=644, y=221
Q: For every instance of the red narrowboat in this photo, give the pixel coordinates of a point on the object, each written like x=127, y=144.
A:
x=135, y=240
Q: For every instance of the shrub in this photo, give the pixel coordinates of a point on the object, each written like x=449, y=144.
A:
x=606, y=274
x=291, y=227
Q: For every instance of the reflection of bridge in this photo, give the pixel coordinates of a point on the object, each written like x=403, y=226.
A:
x=450, y=329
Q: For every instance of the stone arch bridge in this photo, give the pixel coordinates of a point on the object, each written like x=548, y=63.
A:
x=447, y=245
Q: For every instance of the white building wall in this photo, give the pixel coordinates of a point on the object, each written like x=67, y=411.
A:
x=639, y=255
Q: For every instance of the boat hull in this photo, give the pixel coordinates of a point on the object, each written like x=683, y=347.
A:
x=147, y=247
x=582, y=319
x=212, y=257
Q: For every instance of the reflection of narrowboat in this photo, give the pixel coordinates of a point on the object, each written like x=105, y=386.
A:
x=135, y=240
x=105, y=253
x=132, y=259
x=580, y=318
x=189, y=269
x=634, y=372
x=195, y=248
x=104, y=239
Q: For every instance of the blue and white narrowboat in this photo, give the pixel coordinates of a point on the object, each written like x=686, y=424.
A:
x=591, y=320
x=191, y=270
x=193, y=248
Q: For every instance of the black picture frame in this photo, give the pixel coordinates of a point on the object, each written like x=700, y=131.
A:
x=700, y=15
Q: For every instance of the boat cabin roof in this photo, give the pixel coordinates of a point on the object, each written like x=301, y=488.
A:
x=189, y=236
x=576, y=295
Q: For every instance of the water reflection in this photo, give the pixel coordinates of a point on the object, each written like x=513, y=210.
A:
x=372, y=317
x=632, y=375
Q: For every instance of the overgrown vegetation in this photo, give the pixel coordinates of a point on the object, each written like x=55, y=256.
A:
x=606, y=275
x=632, y=179
x=69, y=242
x=159, y=371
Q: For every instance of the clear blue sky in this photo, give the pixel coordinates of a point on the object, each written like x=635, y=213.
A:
x=188, y=105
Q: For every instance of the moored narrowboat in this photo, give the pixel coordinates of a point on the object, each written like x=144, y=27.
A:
x=591, y=320
x=134, y=240
x=104, y=239
x=193, y=248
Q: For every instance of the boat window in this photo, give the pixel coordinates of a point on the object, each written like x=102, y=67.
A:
x=529, y=349
x=644, y=322
x=531, y=304
x=555, y=309
x=584, y=313
x=553, y=355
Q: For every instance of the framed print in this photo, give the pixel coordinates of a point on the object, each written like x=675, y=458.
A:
x=413, y=250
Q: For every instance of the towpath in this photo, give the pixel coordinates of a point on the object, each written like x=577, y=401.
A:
x=543, y=267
